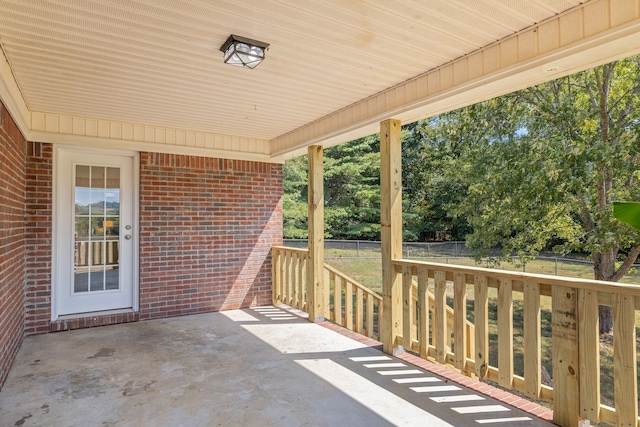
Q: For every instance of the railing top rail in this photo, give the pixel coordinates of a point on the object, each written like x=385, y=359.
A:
x=354, y=282
x=596, y=285
x=290, y=249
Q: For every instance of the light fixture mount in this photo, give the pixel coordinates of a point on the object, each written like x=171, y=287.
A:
x=243, y=52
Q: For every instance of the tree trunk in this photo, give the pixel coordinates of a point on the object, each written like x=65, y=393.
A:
x=605, y=314
x=604, y=269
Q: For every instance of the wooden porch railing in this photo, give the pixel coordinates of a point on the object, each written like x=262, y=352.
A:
x=575, y=335
x=437, y=331
x=351, y=304
x=289, y=271
x=96, y=253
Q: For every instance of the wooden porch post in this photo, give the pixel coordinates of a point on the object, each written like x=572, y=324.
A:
x=390, y=230
x=317, y=293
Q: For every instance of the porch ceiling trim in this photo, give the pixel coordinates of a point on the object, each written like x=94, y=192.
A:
x=56, y=128
x=12, y=97
x=594, y=33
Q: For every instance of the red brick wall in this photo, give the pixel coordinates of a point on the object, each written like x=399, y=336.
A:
x=206, y=229
x=38, y=236
x=12, y=240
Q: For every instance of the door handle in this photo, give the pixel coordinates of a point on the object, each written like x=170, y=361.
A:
x=128, y=237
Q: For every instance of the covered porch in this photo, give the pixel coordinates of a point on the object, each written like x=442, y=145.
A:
x=262, y=366
x=138, y=90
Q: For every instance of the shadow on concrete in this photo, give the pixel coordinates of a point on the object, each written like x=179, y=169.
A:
x=251, y=367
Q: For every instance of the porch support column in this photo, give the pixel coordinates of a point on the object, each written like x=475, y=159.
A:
x=391, y=230
x=317, y=292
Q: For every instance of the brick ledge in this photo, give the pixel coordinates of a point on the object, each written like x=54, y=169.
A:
x=92, y=321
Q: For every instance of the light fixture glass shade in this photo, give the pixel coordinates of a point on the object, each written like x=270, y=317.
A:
x=243, y=52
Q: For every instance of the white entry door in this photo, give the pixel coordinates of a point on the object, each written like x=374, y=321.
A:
x=95, y=232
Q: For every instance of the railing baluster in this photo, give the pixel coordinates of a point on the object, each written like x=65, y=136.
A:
x=423, y=313
x=566, y=362
x=589, y=353
x=337, y=298
x=359, y=310
x=471, y=340
x=440, y=306
x=283, y=276
x=481, y=319
x=505, y=333
x=288, y=278
x=380, y=316
x=625, y=370
x=369, y=315
x=414, y=311
x=295, y=284
x=327, y=284
x=275, y=276
x=348, y=305
x=302, y=265
x=407, y=305
x=460, y=320
x=532, y=349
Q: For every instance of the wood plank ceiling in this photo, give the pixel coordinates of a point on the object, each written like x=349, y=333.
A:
x=157, y=62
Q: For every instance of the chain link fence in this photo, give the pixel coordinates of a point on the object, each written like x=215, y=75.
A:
x=458, y=253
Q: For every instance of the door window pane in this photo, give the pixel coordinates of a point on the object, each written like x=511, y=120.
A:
x=81, y=280
x=97, y=228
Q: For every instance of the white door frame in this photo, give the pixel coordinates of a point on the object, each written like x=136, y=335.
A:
x=56, y=189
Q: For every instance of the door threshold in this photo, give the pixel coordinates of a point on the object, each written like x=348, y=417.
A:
x=92, y=319
x=94, y=314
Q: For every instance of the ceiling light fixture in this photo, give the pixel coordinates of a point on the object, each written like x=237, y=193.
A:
x=243, y=52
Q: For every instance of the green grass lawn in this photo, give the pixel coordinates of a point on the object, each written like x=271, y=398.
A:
x=366, y=269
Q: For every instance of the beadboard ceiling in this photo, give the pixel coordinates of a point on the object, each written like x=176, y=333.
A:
x=157, y=62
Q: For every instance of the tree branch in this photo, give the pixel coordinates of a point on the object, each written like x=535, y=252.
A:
x=585, y=214
x=592, y=95
x=626, y=265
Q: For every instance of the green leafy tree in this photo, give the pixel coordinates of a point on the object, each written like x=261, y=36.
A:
x=435, y=161
x=352, y=189
x=352, y=192
x=294, y=198
x=557, y=155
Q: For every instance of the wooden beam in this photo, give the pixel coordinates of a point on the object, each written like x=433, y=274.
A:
x=440, y=310
x=423, y=312
x=505, y=333
x=625, y=371
x=317, y=293
x=566, y=363
x=407, y=307
x=532, y=349
x=337, y=298
x=460, y=321
x=589, y=353
x=348, y=305
x=369, y=315
x=481, y=319
x=391, y=230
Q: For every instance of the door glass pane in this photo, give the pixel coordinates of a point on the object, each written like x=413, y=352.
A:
x=97, y=229
x=81, y=280
x=111, y=227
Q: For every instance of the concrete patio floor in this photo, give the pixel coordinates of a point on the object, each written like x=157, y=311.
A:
x=253, y=367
